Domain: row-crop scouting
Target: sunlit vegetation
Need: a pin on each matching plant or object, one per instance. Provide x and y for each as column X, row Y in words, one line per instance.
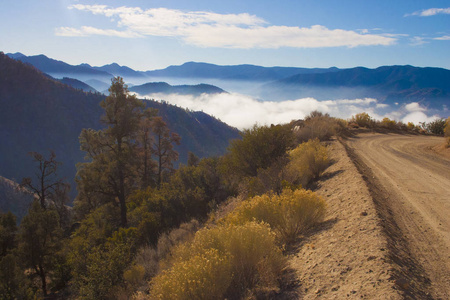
column 223, row 261
column 141, row 228
column 364, row 120
column 318, row 126
column 289, row 214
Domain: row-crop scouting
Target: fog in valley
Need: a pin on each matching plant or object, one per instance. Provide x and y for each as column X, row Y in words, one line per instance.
column 245, row 104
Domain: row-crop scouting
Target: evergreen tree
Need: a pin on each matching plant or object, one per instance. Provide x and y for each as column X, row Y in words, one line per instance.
column 111, row 171
column 39, row 242
column 163, row 148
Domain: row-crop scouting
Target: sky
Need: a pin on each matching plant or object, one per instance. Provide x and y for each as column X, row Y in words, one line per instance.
column 153, row 34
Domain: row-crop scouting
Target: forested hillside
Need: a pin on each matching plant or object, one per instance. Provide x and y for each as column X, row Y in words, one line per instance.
column 39, row 114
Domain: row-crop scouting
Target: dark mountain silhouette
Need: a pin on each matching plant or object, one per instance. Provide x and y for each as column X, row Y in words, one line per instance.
column 389, row 83
column 38, row 113
column 165, row 88
column 55, row 67
column 77, row 84
column 237, row 72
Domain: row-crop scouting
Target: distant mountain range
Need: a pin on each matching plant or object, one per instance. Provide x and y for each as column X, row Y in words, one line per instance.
column 38, row 113
column 430, row 86
column 238, row 72
column 389, row 84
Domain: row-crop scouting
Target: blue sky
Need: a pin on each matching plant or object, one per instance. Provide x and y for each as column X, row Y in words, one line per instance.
column 152, row 34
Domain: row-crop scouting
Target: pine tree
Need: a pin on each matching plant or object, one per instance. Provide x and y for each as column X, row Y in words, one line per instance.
column 111, row 152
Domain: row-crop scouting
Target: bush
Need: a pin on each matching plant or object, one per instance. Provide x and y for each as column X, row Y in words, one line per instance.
column 175, row 237
column 288, row 214
column 318, row 125
column 134, row 275
column 203, row 276
column 148, row 258
column 436, row 126
column 246, row 258
column 259, row 148
column 388, row 124
column 363, row 120
column 307, row 162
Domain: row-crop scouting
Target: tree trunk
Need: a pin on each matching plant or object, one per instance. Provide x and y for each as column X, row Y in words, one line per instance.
column 121, row 196
column 43, row 281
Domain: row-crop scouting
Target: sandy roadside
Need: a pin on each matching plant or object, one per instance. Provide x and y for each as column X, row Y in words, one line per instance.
column 347, row 256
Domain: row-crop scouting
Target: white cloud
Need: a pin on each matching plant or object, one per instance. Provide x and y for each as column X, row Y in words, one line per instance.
column 382, row 105
column 88, row 31
column 243, row 111
column 417, row 41
column 443, row 38
column 208, row 29
column 430, row 12
column 414, row 107
column 418, row 117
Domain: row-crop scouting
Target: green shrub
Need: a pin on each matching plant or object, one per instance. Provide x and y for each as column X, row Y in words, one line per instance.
column 259, row 148
column 288, row 214
column 436, row 126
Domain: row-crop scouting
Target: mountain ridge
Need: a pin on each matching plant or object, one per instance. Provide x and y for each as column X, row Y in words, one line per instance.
column 391, row 84
column 388, row 83
column 163, row 87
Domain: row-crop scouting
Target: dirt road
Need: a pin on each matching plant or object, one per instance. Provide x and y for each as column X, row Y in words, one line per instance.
column 411, row 187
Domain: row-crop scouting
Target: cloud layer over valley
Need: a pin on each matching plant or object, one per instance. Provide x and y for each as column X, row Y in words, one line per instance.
column 243, row 111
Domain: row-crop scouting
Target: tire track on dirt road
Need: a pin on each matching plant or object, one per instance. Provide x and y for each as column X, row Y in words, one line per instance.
column 411, row 188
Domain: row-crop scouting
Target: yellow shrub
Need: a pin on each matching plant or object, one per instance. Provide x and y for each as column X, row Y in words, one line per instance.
column 388, row 123
column 249, row 259
column 206, row 275
column 307, row 162
column 288, row 214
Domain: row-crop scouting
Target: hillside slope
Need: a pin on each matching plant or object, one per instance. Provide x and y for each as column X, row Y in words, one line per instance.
column 38, row 114
column 13, row 198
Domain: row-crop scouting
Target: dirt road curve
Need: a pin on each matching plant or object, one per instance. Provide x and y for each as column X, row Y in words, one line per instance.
column 412, row 186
